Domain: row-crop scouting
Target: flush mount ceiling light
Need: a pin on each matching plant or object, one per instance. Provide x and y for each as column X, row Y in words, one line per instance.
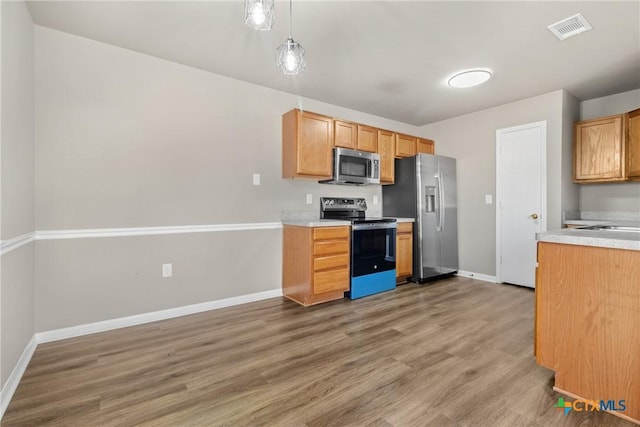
column 290, row 54
column 469, row 78
column 259, row 14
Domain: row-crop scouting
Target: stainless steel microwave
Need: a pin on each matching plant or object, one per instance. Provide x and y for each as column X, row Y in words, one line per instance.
column 352, row 167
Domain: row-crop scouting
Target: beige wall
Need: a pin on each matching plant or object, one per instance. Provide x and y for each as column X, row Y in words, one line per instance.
column 614, row 197
column 128, row 140
column 471, row 140
column 17, row 213
column 570, row 190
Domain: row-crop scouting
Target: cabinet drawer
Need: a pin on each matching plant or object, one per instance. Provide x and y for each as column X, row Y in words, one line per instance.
column 331, row 261
column 404, row 227
column 330, row 281
column 327, row 233
column 331, row 247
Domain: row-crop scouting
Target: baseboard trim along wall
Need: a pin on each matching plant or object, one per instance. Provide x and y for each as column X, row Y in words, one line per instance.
column 9, row 245
column 76, row 331
column 139, row 319
column 477, row 276
column 10, row 386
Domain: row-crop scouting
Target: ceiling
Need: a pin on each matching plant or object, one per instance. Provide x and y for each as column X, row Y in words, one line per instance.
column 387, row 58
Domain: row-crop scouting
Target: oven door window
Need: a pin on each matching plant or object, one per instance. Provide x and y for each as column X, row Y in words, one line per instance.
column 354, row 167
column 373, row 251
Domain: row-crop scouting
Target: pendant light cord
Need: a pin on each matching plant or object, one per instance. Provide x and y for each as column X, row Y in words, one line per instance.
column 290, row 18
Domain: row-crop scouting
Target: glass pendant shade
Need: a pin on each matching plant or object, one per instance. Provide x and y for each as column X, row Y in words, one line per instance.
column 259, row 14
column 290, row 57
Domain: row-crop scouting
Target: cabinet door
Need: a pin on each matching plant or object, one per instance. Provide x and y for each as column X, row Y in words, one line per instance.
column 387, row 163
column 404, row 250
column 633, row 146
column 307, row 144
column 405, row 145
column 598, row 150
column 367, row 139
column 345, row 134
column 425, row 146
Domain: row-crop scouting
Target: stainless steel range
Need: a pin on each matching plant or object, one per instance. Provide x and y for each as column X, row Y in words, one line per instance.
column 373, row 245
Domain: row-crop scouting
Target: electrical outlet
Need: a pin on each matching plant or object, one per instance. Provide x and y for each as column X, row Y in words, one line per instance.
column 309, row 199
column 256, row 179
column 167, row 270
column 375, row 200
column 488, row 199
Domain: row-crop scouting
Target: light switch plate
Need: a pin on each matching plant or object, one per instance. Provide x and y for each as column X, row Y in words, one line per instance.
column 375, row 200
column 309, row 198
column 167, row 270
column 488, row 199
column 256, row 179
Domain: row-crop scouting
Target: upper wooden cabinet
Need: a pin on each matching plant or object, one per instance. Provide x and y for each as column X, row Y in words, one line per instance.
column 425, row 146
column 345, row 134
column 387, row 159
column 599, row 153
column 405, row 145
column 307, row 142
column 633, row 146
column 367, row 138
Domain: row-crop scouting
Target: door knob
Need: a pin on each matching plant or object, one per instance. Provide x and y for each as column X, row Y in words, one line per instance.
column 533, row 216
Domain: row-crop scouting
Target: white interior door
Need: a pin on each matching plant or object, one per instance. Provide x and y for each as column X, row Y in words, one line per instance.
column 521, row 196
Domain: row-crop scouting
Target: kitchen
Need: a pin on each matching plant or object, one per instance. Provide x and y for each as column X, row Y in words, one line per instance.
column 152, row 171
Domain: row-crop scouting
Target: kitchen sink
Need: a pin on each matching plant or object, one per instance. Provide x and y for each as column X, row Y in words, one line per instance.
column 612, row 228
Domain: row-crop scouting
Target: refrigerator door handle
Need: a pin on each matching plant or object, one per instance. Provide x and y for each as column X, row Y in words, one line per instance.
column 440, row 207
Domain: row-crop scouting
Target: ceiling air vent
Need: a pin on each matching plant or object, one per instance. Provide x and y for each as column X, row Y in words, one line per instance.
column 572, row 26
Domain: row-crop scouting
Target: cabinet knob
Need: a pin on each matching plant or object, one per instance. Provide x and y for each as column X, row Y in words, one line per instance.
column 533, row 216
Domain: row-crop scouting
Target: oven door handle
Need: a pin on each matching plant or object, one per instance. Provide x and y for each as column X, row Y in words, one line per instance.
column 374, row 226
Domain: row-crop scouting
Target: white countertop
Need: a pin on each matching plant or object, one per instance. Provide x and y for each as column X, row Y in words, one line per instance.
column 603, row 238
column 328, row 222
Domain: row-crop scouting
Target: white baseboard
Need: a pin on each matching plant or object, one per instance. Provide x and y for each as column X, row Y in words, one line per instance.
column 477, row 276
column 10, row 386
column 12, row 382
column 139, row 319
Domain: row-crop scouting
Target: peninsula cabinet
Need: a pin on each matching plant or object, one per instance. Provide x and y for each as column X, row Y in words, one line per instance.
column 405, row 145
column 633, row 146
column 386, row 151
column 599, row 150
column 345, row 134
column 307, row 142
column 315, row 263
column 587, row 319
column 404, row 251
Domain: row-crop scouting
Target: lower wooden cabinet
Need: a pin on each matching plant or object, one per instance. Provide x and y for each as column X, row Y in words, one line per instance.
column 404, row 250
column 315, row 263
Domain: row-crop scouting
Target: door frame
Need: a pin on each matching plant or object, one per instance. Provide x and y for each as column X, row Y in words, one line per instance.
column 543, row 185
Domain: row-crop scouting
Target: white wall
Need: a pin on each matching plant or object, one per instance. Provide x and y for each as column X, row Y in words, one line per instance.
column 129, row 140
column 17, row 153
column 471, row 140
column 611, row 197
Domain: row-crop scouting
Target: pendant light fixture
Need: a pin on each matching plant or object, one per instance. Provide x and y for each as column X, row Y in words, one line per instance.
column 290, row 55
column 259, row 14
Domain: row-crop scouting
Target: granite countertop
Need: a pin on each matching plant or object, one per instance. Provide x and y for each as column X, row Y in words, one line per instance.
column 603, row 238
column 315, row 222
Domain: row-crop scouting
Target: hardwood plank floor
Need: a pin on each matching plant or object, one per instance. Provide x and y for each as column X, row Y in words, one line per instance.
column 457, row 352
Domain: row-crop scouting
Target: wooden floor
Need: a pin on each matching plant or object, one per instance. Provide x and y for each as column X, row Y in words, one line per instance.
column 454, row 353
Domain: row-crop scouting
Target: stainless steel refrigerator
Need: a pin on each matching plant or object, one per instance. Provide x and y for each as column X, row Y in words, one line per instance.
column 425, row 189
